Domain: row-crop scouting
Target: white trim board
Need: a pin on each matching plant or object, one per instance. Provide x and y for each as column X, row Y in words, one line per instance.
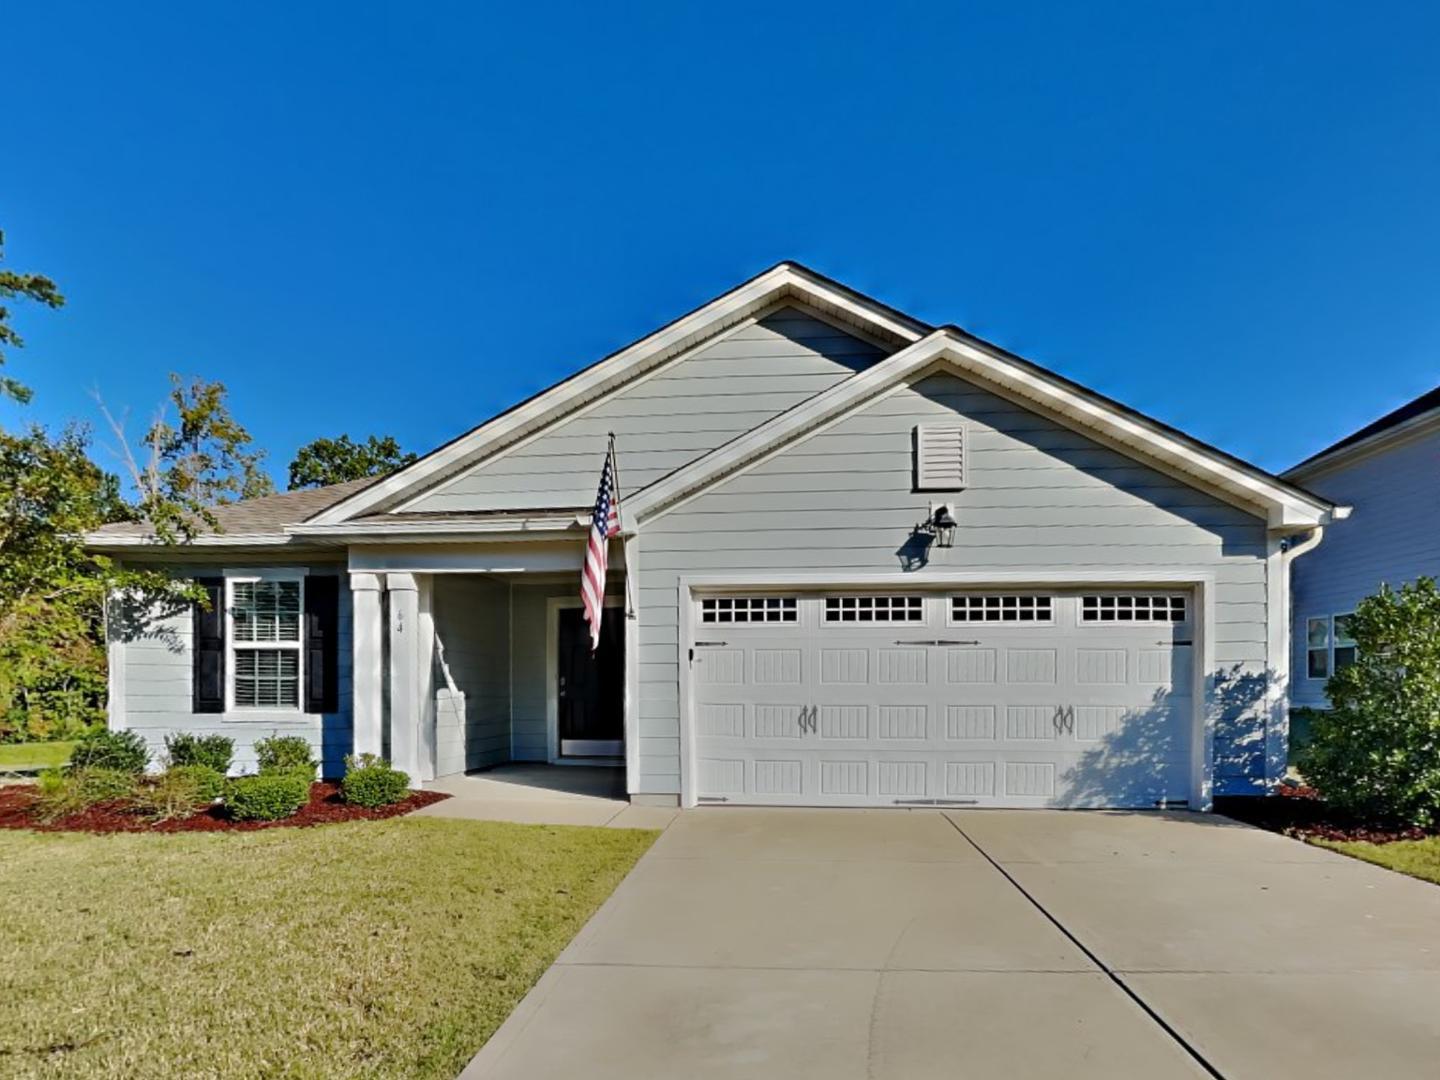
column 1285, row 508
column 786, row 280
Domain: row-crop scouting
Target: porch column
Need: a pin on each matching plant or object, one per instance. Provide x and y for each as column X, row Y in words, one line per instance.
column 367, row 706
column 404, row 673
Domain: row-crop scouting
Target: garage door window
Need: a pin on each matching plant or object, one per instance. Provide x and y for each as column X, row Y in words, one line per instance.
column 749, row 609
column 874, row 609
column 1144, row 608
column 1002, row 609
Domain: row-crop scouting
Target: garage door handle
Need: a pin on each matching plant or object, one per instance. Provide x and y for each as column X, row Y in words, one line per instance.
column 937, row 641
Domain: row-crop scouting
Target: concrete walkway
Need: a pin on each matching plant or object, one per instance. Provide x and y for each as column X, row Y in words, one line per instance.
column 545, row 795
column 915, row 944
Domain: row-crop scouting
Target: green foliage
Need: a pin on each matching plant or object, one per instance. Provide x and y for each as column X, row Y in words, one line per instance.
column 285, row 754
column 267, row 797
column 213, row 751
column 69, row 791
column 372, row 781
column 196, row 457
column 334, row 461
column 209, row 783
column 1376, row 752
column 52, row 591
column 124, row 751
column 36, row 287
column 174, row 795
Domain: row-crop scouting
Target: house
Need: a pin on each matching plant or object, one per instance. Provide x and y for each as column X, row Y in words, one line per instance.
column 864, row 561
column 1390, row 472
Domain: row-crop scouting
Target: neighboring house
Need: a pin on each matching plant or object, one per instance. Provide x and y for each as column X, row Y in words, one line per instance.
column 868, row 561
column 1389, row 471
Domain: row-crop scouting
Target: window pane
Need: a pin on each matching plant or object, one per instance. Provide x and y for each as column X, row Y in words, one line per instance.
column 1319, row 666
column 1317, row 633
column 1344, row 656
column 267, row 678
column 266, row 610
column 1342, row 631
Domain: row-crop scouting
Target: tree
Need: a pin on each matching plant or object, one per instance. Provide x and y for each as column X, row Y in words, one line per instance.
column 196, row 456
column 53, row 592
column 35, row 287
column 1376, row 752
column 334, row 461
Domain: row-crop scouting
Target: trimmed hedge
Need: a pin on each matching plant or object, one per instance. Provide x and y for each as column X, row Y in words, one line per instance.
column 267, row 797
column 214, row 752
column 123, row 751
column 372, row 781
column 285, row 754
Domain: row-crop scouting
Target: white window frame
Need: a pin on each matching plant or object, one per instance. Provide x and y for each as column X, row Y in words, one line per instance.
column 753, row 605
column 951, row 620
column 262, row 712
column 907, row 609
column 1168, row 597
column 1331, row 647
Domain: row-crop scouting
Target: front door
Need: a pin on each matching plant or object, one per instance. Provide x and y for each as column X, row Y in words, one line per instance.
column 591, row 687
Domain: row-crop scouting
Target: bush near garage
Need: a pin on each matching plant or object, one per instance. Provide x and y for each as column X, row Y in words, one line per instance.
column 1375, row 754
column 267, row 797
column 285, row 754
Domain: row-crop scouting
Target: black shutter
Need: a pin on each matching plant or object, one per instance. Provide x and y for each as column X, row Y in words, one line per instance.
column 208, row 689
column 322, row 616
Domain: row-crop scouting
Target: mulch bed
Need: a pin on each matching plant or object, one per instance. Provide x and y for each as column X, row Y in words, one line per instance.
column 1298, row 811
column 324, row 808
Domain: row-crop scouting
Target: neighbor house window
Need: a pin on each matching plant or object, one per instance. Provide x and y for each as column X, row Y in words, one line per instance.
column 265, row 653
column 1328, row 645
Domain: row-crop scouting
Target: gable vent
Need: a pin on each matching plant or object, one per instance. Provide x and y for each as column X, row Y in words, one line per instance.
column 939, row 457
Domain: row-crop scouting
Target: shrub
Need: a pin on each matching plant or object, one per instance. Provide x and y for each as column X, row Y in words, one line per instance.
column 1376, row 752
column 372, row 781
column 176, row 793
column 267, row 797
column 285, row 753
column 124, row 751
column 213, row 751
column 209, row 783
column 69, row 791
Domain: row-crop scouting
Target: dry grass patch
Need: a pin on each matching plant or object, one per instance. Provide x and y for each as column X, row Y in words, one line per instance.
column 374, row 949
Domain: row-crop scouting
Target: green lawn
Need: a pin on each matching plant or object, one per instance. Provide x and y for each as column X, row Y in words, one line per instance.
column 372, row 949
column 43, row 755
column 1418, row 858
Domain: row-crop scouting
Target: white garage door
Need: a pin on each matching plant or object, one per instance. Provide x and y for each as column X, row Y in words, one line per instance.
column 1024, row 698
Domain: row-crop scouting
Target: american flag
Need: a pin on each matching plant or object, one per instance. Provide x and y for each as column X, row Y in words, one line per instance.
column 604, row 523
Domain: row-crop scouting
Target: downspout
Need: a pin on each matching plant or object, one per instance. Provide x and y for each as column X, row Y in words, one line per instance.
column 1283, row 651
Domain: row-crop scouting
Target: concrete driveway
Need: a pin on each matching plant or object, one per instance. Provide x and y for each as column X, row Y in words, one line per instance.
column 914, row 944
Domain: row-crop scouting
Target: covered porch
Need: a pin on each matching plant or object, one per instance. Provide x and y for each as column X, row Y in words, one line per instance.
column 478, row 657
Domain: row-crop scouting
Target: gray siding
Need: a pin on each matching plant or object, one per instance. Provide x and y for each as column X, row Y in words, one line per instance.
column 667, row 420
column 1040, row 496
column 157, row 661
column 472, row 624
column 1392, row 537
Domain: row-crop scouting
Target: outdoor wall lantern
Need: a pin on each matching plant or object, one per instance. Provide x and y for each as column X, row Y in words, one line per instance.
column 941, row 525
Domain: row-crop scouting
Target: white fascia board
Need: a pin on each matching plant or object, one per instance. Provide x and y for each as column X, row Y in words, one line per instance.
column 105, row 542
column 1285, row 509
column 783, row 281
column 1381, row 441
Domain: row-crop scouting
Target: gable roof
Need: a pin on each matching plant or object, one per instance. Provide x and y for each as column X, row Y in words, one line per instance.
column 1285, row 506
column 249, row 521
column 1412, row 414
column 784, row 281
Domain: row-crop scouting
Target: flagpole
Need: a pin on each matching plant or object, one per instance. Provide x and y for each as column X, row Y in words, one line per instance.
column 620, row 519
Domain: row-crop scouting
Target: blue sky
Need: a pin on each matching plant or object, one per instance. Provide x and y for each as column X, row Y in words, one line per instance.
column 401, row 218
